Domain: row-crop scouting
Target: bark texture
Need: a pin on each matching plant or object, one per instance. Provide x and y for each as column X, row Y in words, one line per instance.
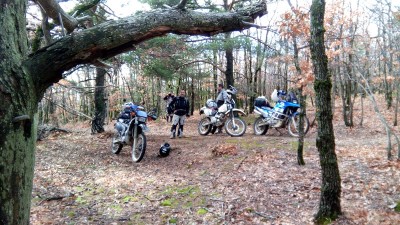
column 24, row 78
column 99, row 102
column 329, row 207
column 17, row 115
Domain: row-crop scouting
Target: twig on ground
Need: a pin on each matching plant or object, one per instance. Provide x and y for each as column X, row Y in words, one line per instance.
column 263, row 215
column 241, row 162
column 59, row 197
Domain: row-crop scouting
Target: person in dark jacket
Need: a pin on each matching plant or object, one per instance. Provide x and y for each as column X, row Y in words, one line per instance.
column 180, row 107
column 168, row 99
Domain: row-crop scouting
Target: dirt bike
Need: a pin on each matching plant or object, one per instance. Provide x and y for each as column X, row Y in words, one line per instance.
column 283, row 115
column 225, row 115
column 130, row 130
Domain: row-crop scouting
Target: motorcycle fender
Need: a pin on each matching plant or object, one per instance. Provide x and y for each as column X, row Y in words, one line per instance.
column 295, row 114
column 144, row 128
column 132, row 126
column 239, row 111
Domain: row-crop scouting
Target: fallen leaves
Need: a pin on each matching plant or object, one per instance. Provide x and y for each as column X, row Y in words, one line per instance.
column 224, row 149
column 248, row 180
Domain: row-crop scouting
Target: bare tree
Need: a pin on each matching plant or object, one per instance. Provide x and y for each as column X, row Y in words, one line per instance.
column 329, row 206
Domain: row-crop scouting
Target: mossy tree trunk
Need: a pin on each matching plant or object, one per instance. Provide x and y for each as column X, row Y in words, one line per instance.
column 25, row 77
column 329, row 207
column 18, row 118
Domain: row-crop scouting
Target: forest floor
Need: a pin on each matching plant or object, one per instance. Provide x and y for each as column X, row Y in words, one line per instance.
column 214, row 179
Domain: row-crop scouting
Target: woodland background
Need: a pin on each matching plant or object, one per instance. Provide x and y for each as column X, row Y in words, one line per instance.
column 362, row 46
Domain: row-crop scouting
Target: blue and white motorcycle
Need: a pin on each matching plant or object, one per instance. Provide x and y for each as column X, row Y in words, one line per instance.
column 130, row 130
column 283, row 115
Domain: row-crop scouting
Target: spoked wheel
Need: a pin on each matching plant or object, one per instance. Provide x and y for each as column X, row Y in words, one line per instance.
column 116, row 145
column 293, row 125
column 204, row 126
column 235, row 126
column 259, row 127
column 140, row 148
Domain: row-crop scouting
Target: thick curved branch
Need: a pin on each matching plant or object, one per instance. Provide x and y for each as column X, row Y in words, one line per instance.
column 114, row 37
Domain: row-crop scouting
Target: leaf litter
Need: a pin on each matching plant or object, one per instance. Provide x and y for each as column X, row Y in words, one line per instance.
column 214, row 179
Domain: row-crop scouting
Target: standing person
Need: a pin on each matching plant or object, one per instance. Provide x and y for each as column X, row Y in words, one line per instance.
column 180, row 107
column 222, row 95
column 168, row 99
column 221, row 98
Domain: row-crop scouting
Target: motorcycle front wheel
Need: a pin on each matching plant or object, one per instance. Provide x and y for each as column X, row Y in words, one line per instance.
column 235, row 126
column 116, row 145
column 140, row 148
column 202, row 128
column 293, row 125
column 260, row 129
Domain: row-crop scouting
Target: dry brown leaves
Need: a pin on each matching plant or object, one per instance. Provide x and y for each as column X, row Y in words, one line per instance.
column 254, row 179
column 224, row 149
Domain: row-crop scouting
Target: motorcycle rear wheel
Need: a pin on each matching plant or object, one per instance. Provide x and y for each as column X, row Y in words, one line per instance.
column 140, row 148
column 293, row 126
column 204, row 129
column 238, row 130
column 260, row 130
column 116, row 146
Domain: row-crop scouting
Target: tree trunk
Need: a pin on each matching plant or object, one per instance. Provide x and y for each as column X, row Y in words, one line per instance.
column 329, row 207
column 215, row 75
column 302, row 102
column 229, row 61
column 18, row 117
column 99, row 102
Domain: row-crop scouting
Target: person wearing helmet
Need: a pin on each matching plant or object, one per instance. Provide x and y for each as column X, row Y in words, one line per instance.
column 180, row 107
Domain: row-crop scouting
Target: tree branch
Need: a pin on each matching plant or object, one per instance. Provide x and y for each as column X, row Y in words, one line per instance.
column 181, row 4
column 53, row 9
column 117, row 36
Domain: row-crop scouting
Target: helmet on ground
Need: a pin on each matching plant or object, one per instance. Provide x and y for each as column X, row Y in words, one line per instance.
column 165, row 149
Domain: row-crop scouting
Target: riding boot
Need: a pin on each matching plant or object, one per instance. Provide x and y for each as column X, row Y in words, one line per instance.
column 173, row 131
column 180, row 131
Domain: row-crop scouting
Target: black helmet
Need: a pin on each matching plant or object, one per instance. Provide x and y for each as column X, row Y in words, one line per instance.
column 165, row 149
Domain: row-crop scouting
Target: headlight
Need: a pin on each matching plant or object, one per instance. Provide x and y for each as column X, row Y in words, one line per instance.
column 142, row 119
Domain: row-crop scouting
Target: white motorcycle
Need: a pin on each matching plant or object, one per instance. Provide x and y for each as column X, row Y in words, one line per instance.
column 226, row 115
